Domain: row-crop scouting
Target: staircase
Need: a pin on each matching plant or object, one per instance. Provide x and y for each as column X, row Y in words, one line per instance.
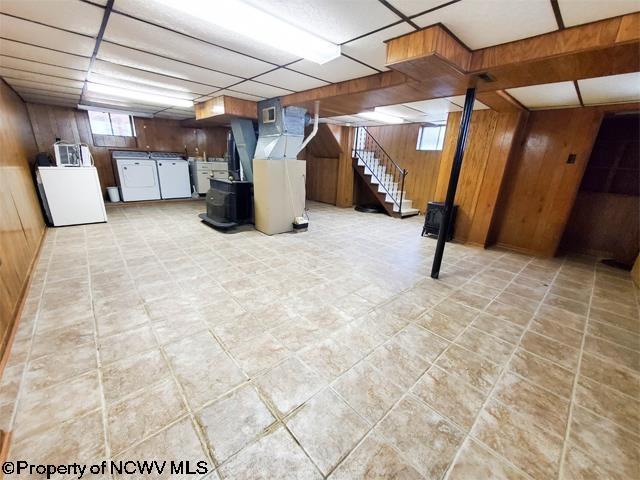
column 382, row 175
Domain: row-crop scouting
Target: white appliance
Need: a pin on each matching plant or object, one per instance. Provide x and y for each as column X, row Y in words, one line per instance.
column 72, row 155
column 137, row 176
column 173, row 175
column 202, row 172
column 72, row 196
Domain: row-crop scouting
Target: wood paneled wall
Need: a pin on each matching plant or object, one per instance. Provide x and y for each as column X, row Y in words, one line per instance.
column 51, row 122
column 399, row 141
column 541, row 186
column 490, row 146
column 322, row 156
column 21, row 222
column 322, row 178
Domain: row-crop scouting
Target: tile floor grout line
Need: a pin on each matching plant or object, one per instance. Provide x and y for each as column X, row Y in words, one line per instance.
column 177, row 384
column 103, row 403
column 409, row 391
column 463, row 263
column 27, row 362
column 576, row 378
column 274, row 411
column 503, row 370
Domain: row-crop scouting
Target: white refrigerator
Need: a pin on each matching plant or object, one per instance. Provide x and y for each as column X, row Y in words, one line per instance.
column 71, row 195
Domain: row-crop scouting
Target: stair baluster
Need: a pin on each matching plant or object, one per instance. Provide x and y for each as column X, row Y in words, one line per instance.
column 389, row 174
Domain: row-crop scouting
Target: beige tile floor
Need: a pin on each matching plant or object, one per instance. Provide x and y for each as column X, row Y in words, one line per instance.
column 329, row 353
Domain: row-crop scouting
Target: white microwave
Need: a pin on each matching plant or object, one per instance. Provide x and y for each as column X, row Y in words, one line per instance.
column 72, row 155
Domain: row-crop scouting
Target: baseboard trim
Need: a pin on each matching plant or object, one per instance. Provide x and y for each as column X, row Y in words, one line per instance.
column 8, row 342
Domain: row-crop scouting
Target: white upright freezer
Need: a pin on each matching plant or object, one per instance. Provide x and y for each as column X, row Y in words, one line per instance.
column 72, row 195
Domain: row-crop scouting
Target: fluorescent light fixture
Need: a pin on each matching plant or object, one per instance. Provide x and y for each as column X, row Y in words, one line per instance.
column 113, row 110
column 258, row 25
column 380, row 117
column 139, row 96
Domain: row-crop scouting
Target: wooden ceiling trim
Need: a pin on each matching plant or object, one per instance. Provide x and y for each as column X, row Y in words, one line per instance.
column 500, row 101
column 432, row 63
column 220, row 110
column 423, row 44
column 629, row 28
column 596, row 35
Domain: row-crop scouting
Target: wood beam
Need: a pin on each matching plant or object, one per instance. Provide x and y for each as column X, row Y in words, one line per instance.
column 433, row 63
column 220, row 110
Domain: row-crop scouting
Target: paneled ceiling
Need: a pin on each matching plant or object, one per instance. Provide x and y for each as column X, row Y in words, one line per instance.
column 51, row 51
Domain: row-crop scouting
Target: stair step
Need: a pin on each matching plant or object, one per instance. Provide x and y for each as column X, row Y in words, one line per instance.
column 410, row 212
column 406, row 205
column 389, row 198
column 389, row 187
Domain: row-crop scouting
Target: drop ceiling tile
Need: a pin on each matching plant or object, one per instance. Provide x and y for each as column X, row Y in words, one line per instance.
column 182, row 111
column 459, row 101
column 71, row 15
column 106, row 102
column 43, row 98
column 413, row 7
column 337, row 70
column 334, row 20
column 480, row 23
column 146, row 61
column 346, row 119
column 36, row 67
column 371, row 49
column 172, row 116
column 47, row 93
column 33, row 33
column 20, row 83
column 612, row 89
column 436, row 107
column 38, row 77
column 127, row 31
column 401, row 111
column 60, row 102
column 243, row 96
column 259, row 89
column 549, row 95
column 148, row 78
column 141, row 86
column 201, row 28
column 114, row 96
column 577, row 12
column 290, row 80
column 44, row 55
column 181, row 114
column 439, row 119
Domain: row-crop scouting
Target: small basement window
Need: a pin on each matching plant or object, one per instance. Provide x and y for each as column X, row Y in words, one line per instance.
column 117, row 124
column 431, row 137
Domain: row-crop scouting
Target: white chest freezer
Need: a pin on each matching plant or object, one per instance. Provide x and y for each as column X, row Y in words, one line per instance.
column 173, row 175
column 137, row 176
column 73, row 195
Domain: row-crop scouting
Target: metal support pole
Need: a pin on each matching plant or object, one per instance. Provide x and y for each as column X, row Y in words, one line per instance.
column 453, row 181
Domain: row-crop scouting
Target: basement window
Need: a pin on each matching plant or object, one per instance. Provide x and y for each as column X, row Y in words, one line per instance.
column 115, row 124
column 431, row 137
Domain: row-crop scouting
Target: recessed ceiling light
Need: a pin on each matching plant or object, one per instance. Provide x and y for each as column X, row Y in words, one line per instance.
column 380, row 117
column 137, row 95
column 258, row 25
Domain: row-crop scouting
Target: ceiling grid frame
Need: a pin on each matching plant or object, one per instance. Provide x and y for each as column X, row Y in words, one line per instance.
column 556, row 5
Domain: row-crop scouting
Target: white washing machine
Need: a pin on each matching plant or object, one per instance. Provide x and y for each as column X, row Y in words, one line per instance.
column 137, row 176
column 173, row 175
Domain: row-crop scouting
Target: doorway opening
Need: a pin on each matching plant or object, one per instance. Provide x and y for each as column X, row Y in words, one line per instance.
column 605, row 220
